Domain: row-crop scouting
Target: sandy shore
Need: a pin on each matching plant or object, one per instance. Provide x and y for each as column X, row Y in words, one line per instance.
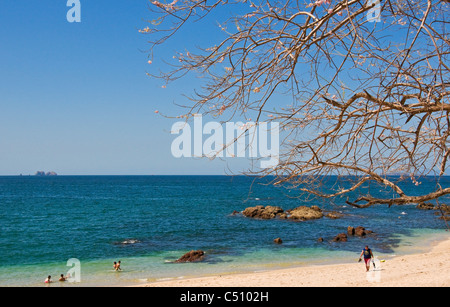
column 429, row 269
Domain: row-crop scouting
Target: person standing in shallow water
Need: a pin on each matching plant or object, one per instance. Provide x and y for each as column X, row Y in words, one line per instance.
column 116, row 266
column 368, row 255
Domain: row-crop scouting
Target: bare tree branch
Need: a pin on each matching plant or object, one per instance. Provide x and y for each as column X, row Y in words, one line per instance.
column 366, row 99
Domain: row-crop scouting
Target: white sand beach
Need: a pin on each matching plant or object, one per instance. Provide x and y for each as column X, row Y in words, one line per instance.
column 428, row 269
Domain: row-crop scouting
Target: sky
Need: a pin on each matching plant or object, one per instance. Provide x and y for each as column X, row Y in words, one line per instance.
column 75, row 97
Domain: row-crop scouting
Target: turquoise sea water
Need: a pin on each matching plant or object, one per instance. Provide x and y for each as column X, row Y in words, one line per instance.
column 149, row 221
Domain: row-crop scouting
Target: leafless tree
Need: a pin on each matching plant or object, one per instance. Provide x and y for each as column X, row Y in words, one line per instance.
column 367, row 84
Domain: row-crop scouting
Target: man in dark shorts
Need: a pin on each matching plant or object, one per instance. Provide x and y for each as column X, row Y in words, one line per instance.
column 367, row 253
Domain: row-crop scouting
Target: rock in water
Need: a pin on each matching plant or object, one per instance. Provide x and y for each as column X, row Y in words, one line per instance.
column 425, row 206
column 192, row 256
column 271, row 212
column 301, row 213
column 334, row 215
column 360, row 231
column 351, row 230
column 261, row 212
column 278, row 241
column 342, row 237
column 304, row 213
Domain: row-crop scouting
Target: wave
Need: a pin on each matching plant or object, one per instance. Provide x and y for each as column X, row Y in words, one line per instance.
column 127, row 242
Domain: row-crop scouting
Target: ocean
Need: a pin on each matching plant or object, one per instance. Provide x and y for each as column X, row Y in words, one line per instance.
column 147, row 222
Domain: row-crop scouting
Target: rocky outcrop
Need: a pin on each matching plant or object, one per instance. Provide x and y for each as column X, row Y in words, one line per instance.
column 358, row 231
column 351, row 231
column 192, row 256
column 304, row 213
column 334, row 215
column 361, row 231
column 442, row 210
column 342, row 237
column 261, row 212
column 445, row 217
column 445, row 209
column 425, row 206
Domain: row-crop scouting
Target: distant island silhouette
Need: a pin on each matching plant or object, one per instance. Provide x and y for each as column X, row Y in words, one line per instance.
column 42, row 173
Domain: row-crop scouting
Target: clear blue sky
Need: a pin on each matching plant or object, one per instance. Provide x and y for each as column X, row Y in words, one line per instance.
column 75, row 98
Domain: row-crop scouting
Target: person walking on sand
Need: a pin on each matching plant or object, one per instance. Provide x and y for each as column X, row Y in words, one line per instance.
column 368, row 255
